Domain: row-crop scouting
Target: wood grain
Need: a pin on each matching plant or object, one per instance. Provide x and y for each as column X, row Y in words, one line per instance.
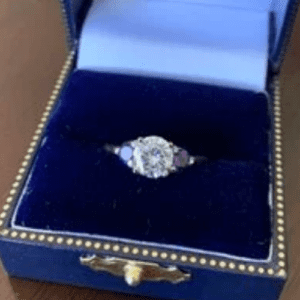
column 32, row 52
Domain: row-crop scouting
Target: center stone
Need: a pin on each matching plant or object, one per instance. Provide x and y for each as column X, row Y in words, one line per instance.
column 152, row 157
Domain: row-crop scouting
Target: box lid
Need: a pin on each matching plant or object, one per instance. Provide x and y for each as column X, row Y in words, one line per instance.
column 281, row 12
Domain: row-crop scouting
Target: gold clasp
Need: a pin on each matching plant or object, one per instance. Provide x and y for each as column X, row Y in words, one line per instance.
column 134, row 272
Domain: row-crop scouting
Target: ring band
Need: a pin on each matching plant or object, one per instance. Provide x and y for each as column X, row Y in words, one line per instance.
column 153, row 156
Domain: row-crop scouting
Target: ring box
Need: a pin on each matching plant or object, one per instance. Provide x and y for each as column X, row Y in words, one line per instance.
column 202, row 74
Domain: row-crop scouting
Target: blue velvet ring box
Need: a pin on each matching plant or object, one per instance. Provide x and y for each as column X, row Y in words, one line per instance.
column 201, row 74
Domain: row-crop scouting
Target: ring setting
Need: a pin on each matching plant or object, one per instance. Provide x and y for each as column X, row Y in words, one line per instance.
column 153, row 156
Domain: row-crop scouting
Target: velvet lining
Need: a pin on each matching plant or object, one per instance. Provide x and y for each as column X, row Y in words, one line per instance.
column 74, row 185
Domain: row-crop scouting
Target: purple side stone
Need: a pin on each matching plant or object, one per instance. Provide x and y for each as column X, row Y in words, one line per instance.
column 181, row 159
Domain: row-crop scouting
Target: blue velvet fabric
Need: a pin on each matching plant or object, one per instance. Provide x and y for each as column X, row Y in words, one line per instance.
column 59, row 265
column 74, row 185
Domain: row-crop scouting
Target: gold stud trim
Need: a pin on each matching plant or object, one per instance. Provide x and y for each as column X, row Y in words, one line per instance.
column 97, row 245
column 106, row 246
column 145, row 252
column 173, row 256
column 88, row 244
column 154, row 253
column 213, row 262
column 50, row 239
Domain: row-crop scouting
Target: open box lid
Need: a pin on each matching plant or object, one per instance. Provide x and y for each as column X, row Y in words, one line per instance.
column 277, row 22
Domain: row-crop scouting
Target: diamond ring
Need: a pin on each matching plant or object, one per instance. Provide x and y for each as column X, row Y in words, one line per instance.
column 153, row 156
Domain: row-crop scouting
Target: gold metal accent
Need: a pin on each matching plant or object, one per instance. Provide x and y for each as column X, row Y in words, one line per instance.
column 134, row 272
column 88, row 244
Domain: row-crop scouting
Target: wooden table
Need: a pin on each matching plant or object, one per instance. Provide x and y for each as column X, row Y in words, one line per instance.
column 32, row 52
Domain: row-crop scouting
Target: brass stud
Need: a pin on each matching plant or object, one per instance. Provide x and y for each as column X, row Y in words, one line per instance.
column 9, row 199
column 41, row 125
column 2, row 215
column 251, row 269
column 41, row 237
column 30, row 150
column 231, row 265
column 51, row 102
column 48, row 107
column 50, row 239
column 78, row 243
column 59, row 240
column 46, row 113
column 281, row 273
column 281, row 263
column 280, row 198
column 55, row 92
column 32, row 236
column 145, row 252
column 116, row 248
column 1, row 222
column 43, row 119
column 281, row 255
column 14, row 234
column 212, row 262
column 280, row 191
column 173, row 256
column 278, row 149
column 125, row 249
column 271, row 271
column 279, row 183
column 280, row 228
column 35, row 137
column 279, row 176
column 106, row 246
column 88, row 244
column 69, row 241
column 261, row 270
column 16, row 184
column 280, row 238
column 6, row 206
column 97, row 245
column 5, row 232
column 23, row 235
column 281, row 246
column 202, row 261
column 164, row 255
column 21, row 170
column 280, row 221
column 222, row 264
column 24, row 163
column 280, row 213
column 154, row 253
column 193, row 259
column 135, row 251
column 242, row 267
column 19, row 177
column 13, row 191
column 280, row 205
column 38, row 131
column 278, row 162
column 183, row 258
column 277, row 124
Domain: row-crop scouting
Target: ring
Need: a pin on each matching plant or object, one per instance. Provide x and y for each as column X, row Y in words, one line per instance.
column 153, row 156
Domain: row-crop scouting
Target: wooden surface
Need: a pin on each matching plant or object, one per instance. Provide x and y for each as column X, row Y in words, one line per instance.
column 32, row 48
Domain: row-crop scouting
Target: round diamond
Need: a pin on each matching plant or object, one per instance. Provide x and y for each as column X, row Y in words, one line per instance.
column 152, row 157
